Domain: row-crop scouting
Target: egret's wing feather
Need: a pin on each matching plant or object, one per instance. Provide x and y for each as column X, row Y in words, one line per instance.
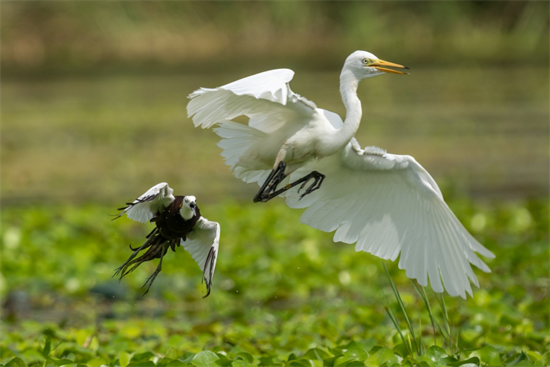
column 389, row 205
column 203, row 243
column 147, row 205
column 265, row 98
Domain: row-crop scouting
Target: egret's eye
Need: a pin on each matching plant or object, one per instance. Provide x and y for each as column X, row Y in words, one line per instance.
column 367, row 61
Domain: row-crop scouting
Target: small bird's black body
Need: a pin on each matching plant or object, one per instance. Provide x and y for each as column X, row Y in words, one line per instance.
column 170, row 229
column 171, row 224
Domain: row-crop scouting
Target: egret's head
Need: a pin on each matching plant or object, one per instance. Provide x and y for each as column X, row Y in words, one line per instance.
column 363, row 65
column 188, row 207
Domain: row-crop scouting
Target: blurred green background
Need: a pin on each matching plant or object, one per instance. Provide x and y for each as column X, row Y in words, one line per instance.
column 93, row 99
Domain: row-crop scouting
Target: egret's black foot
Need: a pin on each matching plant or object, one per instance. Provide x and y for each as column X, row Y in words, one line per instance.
column 318, row 179
column 267, row 191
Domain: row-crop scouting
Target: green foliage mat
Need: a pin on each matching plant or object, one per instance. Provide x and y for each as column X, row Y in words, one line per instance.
column 283, row 294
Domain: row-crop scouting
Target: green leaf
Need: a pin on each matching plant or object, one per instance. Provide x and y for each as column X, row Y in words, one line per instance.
column 59, row 362
column 342, row 360
column 143, row 357
column 124, row 358
column 436, row 354
column 245, row 356
column 187, row 357
column 16, row 362
column 316, row 353
column 518, row 359
column 176, row 363
column 141, row 364
column 205, row 358
column 302, row 362
column 171, row 353
column 385, row 355
column 330, row 361
column 488, row 355
column 466, row 363
column 47, row 347
column 224, row 361
column 96, row 362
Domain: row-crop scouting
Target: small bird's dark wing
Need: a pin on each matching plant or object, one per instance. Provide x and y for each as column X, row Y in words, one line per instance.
column 147, row 205
column 203, row 243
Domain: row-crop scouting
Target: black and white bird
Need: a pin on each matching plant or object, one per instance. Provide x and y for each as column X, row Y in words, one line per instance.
column 178, row 221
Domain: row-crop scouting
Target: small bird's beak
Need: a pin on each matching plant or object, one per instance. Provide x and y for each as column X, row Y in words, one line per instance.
column 193, row 208
column 379, row 64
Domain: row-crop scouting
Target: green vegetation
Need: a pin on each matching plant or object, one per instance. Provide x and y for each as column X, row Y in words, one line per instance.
column 93, row 113
column 284, row 294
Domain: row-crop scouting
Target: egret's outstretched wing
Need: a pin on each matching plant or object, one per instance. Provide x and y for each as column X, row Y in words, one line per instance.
column 202, row 243
column 147, row 205
column 265, row 98
column 389, row 205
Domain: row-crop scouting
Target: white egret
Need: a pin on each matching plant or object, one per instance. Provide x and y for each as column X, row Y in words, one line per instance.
column 387, row 204
column 178, row 221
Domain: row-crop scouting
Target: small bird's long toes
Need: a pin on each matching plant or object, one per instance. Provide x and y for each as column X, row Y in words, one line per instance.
column 149, row 282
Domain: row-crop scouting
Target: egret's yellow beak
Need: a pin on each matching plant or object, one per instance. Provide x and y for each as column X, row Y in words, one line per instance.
column 379, row 64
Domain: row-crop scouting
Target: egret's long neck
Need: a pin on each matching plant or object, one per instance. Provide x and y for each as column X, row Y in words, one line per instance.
column 348, row 88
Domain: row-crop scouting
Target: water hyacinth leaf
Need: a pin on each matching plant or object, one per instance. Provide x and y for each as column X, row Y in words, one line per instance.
column 47, row 347
column 223, row 361
column 59, row 362
column 436, row 354
column 330, row 361
column 124, row 358
column 343, row 360
column 302, row 362
column 474, row 361
column 488, row 355
column 141, row 364
column 533, row 356
column 16, row 362
column 245, row 357
column 187, row 357
column 171, row 353
column 143, row 357
column 266, row 361
column 240, row 363
column 96, row 362
column 356, row 350
column 385, row 355
column 176, row 363
column 205, row 358
column 316, row 353
column 519, row 359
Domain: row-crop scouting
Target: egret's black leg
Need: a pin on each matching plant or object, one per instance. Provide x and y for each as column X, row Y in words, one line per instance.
column 151, row 279
column 316, row 176
column 275, row 177
column 318, row 180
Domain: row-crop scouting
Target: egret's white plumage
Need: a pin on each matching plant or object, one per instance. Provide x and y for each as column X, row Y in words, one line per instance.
column 387, row 204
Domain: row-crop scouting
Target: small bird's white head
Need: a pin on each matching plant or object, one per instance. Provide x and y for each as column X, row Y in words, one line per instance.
column 189, row 207
column 363, row 64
